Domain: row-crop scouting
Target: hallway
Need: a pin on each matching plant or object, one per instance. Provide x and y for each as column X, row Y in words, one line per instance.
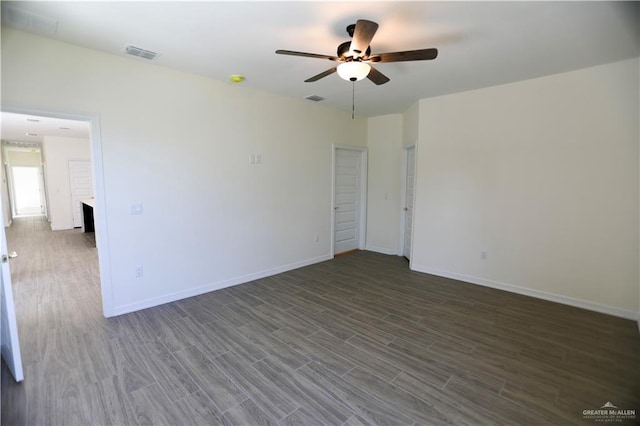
column 57, row 296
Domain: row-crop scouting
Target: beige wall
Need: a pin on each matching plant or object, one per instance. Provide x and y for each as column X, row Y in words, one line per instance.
column 543, row 175
column 384, row 141
column 180, row 144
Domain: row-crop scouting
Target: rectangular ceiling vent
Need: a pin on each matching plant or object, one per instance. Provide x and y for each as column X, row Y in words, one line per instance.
column 140, row 53
column 314, row 98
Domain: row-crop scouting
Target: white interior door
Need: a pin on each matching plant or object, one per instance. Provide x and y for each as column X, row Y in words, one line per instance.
column 9, row 342
column 81, row 187
column 408, row 202
column 347, row 202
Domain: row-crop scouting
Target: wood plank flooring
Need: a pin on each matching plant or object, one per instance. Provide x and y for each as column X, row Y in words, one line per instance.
column 360, row 340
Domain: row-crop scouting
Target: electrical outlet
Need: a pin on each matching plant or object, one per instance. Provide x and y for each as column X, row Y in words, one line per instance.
column 484, row 255
column 139, row 271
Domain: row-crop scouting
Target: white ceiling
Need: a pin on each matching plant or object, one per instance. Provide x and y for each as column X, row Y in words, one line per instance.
column 480, row 43
column 32, row 128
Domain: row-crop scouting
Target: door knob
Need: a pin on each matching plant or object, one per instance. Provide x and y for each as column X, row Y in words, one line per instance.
column 406, row 209
column 336, row 208
column 11, row 255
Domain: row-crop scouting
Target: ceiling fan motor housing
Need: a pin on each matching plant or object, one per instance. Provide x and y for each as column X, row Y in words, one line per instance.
column 350, row 29
column 343, row 49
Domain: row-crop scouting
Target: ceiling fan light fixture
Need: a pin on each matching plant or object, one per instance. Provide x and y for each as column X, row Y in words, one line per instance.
column 353, row 70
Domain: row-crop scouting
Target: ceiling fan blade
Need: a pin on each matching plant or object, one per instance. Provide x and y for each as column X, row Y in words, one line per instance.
column 321, row 75
column 362, row 35
column 377, row 77
column 307, row 55
column 407, row 55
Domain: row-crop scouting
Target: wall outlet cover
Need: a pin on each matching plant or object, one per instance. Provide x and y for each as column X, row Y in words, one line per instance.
column 136, row 208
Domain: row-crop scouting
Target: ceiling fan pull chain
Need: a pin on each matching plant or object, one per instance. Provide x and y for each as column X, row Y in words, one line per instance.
column 353, row 100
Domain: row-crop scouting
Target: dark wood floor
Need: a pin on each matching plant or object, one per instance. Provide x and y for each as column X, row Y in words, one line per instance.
column 355, row 341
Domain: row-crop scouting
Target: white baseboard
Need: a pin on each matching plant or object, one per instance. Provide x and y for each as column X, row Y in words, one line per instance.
column 56, row 228
column 172, row 297
column 579, row 303
column 382, row 250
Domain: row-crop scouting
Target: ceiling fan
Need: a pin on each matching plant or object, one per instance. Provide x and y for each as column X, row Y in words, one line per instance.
column 355, row 56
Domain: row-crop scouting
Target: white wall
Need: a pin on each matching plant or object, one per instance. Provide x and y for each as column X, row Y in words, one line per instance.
column 180, row 144
column 543, row 175
column 56, row 152
column 384, row 142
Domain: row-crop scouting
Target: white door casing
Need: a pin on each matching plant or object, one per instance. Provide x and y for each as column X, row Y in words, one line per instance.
column 408, row 200
column 349, row 198
column 43, row 191
column 7, row 211
column 80, row 183
column 9, row 341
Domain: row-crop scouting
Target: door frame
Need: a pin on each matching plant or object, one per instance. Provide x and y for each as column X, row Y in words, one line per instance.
column 10, row 187
column 100, row 215
column 43, row 186
column 403, row 196
column 363, row 194
column 9, row 207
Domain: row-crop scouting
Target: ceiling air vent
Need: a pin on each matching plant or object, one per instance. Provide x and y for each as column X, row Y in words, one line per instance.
column 314, row 98
column 140, row 53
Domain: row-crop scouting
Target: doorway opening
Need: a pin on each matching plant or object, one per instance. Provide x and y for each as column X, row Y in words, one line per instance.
column 69, row 172
column 24, row 176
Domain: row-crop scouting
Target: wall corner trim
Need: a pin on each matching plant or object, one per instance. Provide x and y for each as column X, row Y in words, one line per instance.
column 552, row 297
